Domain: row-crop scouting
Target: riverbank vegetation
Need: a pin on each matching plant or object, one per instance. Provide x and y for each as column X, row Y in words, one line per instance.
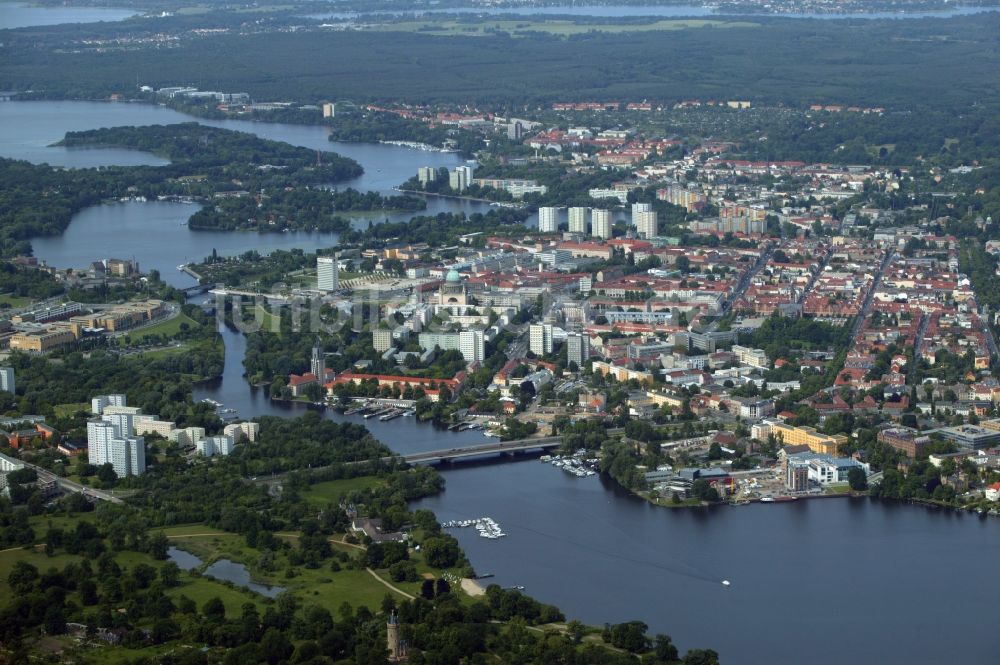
column 244, row 182
column 337, row 588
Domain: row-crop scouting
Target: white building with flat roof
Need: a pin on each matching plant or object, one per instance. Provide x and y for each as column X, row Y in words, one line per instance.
column 579, row 219
column 327, row 273
column 7, row 379
column 548, row 219
column 600, row 222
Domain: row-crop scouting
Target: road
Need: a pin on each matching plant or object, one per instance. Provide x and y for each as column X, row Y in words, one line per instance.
column 867, row 304
column 71, row 486
column 744, row 284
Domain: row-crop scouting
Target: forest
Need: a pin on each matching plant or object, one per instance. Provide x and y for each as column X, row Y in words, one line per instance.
column 947, row 63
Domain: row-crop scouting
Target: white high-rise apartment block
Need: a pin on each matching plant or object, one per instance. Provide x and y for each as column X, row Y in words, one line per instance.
column 472, row 345
column 240, row 431
column 645, row 223
column 600, row 221
column 107, row 443
column 548, row 219
column 382, row 339
column 577, row 349
column 215, row 445
column 98, row 404
column 7, row 379
column 327, row 273
column 460, row 178
column 641, row 207
column 426, row 174
column 540, row 338
column 578, row 219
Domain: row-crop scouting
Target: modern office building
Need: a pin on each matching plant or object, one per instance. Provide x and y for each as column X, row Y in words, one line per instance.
column 577, row 349
column 7, row 379
column 540, row 338
column 646, row 223
column 548, row 219
column 327, row 273
column 579, row 219
column 600, row 222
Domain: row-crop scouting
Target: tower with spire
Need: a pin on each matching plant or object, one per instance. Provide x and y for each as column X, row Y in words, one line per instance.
column 397, row 647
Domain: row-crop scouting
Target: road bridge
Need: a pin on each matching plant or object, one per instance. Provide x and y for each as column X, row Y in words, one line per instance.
column 492, row 448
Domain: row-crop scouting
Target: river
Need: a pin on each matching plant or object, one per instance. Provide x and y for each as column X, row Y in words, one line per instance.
column 814, row 581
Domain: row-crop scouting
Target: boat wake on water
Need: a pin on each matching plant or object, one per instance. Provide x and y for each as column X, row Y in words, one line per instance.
column 675, row 568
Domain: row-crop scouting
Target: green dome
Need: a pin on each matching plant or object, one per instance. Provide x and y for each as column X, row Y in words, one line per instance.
column 453, row 276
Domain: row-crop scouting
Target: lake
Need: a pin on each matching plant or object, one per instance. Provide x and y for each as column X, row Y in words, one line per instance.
column 874, row 577
column 223, row 569
column 812, row 582
column 24, row 15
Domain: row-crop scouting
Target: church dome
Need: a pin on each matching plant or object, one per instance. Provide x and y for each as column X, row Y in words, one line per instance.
column 453, row 277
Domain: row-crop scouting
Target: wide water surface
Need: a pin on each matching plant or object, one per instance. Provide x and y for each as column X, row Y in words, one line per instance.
column 812, row 582
column 24, row 15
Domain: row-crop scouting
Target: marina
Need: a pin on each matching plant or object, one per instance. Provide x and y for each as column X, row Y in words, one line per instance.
column 485, row 526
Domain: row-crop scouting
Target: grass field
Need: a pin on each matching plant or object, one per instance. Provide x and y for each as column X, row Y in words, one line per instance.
column 67, row 410
column 167, row 328
column 331, row 491
column 552, row 27
column 13, row 301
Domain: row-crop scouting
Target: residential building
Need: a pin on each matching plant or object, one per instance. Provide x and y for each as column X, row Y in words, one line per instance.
column 797, row 477
column 215, row 445
column 645, row 221
column 579, row 220
column 145, row 424
column 7, row 379
column 239, row 431
column 188, row 436
column 752, row 357
column 329, row 110
column 327, row 273
column 577, row 349
column 540, row 338
column 426, row 174
column 795, row 436
column 109, row 442
column 548, row 219
column 600, row 221
column 460, row 178
column 472, row 345
column 101, row 402
column 382, row 339
column 906, row 440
